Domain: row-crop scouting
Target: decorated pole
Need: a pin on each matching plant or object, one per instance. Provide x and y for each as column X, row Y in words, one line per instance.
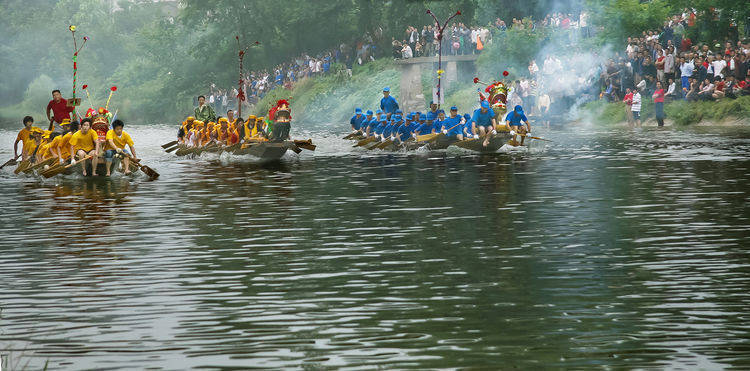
column 241, row 81
column 440, row 49
column 76, row 49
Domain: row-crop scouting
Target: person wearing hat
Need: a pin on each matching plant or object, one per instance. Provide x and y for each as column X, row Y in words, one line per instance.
column 83, row 143
column 437, row 126
column 187, row 125
column 468, row 128
column 484, row 121
column 433, row 108
column 388, row 103
column 117, row 139
column 61, row 144
column 425, row 127
column 514, row 121
column 357, row 119
column 194, row 136
column 24, row 136
column 382, row 123
column 452, row 125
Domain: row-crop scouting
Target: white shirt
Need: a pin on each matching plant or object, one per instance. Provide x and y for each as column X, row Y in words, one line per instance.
column 718, row 66
column 636, row 107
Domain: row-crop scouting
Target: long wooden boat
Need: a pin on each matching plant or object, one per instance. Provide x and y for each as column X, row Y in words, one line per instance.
column 263, row 150
column 51, row 167
column 441, row 142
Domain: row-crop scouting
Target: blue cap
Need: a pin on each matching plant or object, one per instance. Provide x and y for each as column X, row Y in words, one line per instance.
column 358, row 110
column 454, row 108
column 440, row 111
column 397, row 117
column 432, row 102
column 379, row 111
column 422, row 117
column 430, row 116
column 398, row 111
column 369, row 112
column 518, row 109
column 383, row 118
column 485, row 104
column 386, row 88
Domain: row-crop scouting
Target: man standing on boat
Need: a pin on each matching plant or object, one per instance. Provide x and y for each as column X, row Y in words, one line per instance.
column 204, row 112
column 388, row 103
column 484, row 121
column 514, row 120
column 60, row 111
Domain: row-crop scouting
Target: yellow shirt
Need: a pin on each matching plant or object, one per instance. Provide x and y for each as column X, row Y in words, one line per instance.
column 64, row 145
column 28, row 142
column 120, row 141
column 86, row 142
column 54, row 144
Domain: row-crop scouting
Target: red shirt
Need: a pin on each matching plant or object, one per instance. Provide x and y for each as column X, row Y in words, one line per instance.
column 658, row 96
column 628, row 99
column 59, row 109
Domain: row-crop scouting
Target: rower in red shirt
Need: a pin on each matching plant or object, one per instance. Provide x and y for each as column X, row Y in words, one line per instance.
column 60, row 109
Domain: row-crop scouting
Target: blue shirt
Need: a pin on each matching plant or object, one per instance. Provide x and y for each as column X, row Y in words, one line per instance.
column 452, row 125
column 515, row 120
column 379, row 129
column 424, row 129
column 356, row 122
column 387, row 130
column 388, row 104
column 404, row 132
column 438, row 125
column 483, row 119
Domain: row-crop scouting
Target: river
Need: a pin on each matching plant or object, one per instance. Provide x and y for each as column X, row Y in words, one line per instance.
column 604, row 248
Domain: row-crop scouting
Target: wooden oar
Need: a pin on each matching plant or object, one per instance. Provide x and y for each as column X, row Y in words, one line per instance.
column 22, row 166
column 167, row 145
column 152, row 174
column 39, row 164
column 352, row 135
column 305, row 144
column 530, row 137
column 60, row 169
column 9, row 162
column 384, row 144
column 365, row 141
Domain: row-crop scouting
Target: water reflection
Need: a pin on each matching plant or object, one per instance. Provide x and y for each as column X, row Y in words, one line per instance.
column 616, row 249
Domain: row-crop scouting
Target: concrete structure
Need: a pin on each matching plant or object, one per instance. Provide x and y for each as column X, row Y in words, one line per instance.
column 412, row 96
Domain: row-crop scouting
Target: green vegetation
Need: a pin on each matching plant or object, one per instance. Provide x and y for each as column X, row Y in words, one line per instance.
column 682, row 113
column 161, row 55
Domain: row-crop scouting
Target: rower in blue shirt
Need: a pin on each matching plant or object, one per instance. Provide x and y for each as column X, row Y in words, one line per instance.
column 437, row 126
column 468, row 128
column 388, row 103
column 453, row 125
column 381, row 126
column 514, row 120
column 426, row 127
column 357, row 119
column 484, row 121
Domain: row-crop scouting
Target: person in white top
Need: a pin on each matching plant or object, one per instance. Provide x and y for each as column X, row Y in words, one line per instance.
column 636, row 108
column 719, row 65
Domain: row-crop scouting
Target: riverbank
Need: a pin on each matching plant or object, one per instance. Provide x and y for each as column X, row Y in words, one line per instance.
column 725, row 112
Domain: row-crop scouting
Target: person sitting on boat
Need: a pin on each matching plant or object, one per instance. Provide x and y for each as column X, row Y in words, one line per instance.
column 388, row 103
column 484, row 121
column 45, row 151
column 514, row 121
column 117, row 139
column 204, row 112
column 261, row 129
column 425, row 127
column 24, row 136
column 382, row 123
column 195, row 134
column 247, row 129
column 437, row 126
column 453, row 125
column 356, row 120
column 397, row 124
column 388, row 130
column 187, row 125
column 84, row 143
column 61, row 144
column 224, row 135
column 373, row 124
column 404, row 131
column 469, row 129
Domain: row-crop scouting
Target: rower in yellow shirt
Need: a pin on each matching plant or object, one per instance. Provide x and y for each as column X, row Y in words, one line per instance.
column 24, row 136
column 83, row 143
column 116, row 141
column 63, row 144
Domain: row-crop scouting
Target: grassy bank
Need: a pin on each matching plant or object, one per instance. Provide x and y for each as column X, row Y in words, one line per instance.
column 331, row 99
column 681, row 113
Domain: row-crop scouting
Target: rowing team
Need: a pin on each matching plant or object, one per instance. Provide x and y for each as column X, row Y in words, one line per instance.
column 398, row 128
column 228, row 131
column 41, row 145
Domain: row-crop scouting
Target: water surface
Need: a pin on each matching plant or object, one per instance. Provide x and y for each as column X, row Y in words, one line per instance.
column 604, row 248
